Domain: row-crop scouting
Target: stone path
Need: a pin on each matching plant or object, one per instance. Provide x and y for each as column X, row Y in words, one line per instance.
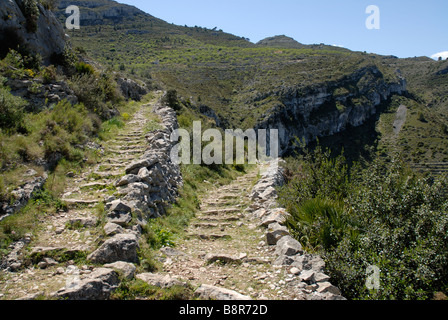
column 75, row 233
column 223, row 247
column 225, row 253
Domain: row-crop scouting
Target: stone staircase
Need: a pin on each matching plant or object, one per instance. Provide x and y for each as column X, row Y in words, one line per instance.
column 75, row 233
column 226, row 249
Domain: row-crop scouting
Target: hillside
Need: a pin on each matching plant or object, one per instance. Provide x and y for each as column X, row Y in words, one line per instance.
column 249, row 85
column 243, row 83
column 93, row 206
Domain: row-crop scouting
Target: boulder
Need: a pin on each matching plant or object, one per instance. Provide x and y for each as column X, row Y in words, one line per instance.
column 159, row 280
column 83, row 222
column 309, row 262
column 275, row 216
column 208, row 292
column 112, row 229
column 275, row 233
column 119, row 218
column 98, row 285
column 327, row 287
column 225, row 258
column 131, row 89
column 135, row 166
column 121, row 247
column 125, row 268
column 288, row 246
column 119, row 206
column 127, row 179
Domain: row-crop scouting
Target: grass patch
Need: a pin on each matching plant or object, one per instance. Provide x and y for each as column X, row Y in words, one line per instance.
column 140, row 290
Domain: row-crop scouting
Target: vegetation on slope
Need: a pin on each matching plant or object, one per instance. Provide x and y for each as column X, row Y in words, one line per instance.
column 382, row 215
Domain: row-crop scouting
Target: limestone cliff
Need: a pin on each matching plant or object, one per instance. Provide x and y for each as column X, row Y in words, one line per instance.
column 100, row 12
column 329, row 108
column 27, row 24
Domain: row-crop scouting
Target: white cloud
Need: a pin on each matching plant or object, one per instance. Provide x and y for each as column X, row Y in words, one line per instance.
column 338, row 45
column 443, row 54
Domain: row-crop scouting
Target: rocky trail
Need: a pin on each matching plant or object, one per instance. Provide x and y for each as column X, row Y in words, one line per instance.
column 225, row 248
column 73, row 234
column 236, row 247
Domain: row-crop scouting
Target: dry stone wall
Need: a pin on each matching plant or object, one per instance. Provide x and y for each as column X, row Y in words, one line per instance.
column 309, row 268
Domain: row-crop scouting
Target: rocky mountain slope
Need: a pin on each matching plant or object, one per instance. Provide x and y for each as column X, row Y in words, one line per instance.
column 215, row 71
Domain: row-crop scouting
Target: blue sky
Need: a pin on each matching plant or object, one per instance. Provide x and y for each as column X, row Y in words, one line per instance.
column 407, row 28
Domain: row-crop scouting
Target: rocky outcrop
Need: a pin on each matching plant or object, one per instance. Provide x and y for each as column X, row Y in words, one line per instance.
column 100, row 12
column 327, row 109
column 131, row 89
column 40, row 95
column 23, row 194
column 121, row 247
column 310, row 269
column 98, row 285
column 40, row 32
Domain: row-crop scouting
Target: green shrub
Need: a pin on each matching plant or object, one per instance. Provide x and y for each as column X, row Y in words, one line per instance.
column 31, row 13
column 49, row 4
column 63, row 128
column 321, row 224
column 98, row 93
column 11, row 110
column 49, row 74
column 383, row 215
column 170, row 99
column 84, row 68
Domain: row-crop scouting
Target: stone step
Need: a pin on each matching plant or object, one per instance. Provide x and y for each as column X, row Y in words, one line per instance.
column 136, row 140
column 126, row 151
column 211, row 225
column 127, row 147
column 221, row 211
column 229, row 196
column 219, row 219
column 129, row 135
column 108, row 174
column 217, row 203
column 93, row 185
column 73, row 203
column 206, row 236
column 123, row 162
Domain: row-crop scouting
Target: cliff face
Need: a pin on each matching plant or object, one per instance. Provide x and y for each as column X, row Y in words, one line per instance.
column 327, row 109
column 100, row 12
column 31, row 26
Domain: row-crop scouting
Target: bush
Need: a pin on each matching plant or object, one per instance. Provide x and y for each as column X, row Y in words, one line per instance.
column 66, row 126
column 31, row 13
column 11, row 110
column 170, row 99
column 49, row 4
column 84, row 68
column 383, row 215
column 98, row 93
column 49, row 74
